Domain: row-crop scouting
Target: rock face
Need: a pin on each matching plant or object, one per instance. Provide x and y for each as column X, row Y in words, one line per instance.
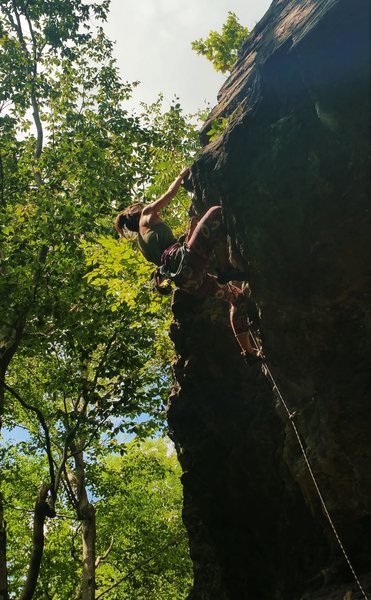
column 292, row 175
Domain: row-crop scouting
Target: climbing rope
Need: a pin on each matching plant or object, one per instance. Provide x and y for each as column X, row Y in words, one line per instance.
column 291, row 416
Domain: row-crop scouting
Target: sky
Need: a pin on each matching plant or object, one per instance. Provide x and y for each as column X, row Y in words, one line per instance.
column 153, row 45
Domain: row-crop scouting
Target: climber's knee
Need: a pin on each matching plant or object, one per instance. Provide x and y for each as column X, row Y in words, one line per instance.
column 214, row 211
column 214, row 217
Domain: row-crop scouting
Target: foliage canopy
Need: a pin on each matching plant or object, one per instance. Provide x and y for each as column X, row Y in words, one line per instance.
column 221, row 49
column 84, row 356
column 141, row 543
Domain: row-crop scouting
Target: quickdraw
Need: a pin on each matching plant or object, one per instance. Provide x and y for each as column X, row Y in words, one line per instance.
column 161, row 282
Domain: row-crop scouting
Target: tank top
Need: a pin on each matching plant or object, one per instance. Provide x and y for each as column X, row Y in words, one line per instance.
column 155, row 241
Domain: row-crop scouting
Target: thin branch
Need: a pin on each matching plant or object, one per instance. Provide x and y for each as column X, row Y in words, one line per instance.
column 41, row 259
column 66, row 482
column 72, row 433
column 45, row 429
column 66, row 456
column 87, row 444
column 28, row 511
column 34, row 101
column 34, row 43
column 92, row 386
column 28, row 429
column 20, row 323
column 73, row 549
column 174, row 542
column 65, row 407
column 105, row 352
column 61, row 468
column 11, row 20
column 104, row 556
column 40, row 133
column 69, row 437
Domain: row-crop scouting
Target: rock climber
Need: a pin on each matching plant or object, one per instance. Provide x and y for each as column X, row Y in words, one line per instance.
column 187, row 264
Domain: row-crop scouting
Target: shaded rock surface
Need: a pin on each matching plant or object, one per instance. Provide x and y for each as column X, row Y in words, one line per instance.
column 291, row 172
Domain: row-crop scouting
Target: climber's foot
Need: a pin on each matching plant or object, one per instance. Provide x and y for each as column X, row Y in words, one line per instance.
column 252, row 358
column 232, row 274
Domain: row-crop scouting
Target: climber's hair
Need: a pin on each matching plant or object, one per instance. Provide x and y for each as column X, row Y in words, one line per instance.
column 128, row 219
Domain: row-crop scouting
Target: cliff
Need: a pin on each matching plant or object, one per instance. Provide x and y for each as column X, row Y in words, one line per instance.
column 291, row 171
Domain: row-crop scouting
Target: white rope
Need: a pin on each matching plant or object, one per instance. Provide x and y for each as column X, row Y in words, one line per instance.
column 291, row 417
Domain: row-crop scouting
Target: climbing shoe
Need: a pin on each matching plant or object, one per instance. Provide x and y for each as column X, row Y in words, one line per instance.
column 232, row 274
column 251, row 359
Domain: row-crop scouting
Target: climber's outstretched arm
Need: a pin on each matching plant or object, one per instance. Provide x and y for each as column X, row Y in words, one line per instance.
column 152, row 210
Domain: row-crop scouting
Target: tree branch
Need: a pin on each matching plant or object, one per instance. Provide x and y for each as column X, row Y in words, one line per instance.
column 45, row 429
column 73, row 549
column 61, row 468
column 105, row 353
column 68, row 487
column 90, row 439
column 32, row 69
column 28, row 511
column 104, row 556
column 20, row 323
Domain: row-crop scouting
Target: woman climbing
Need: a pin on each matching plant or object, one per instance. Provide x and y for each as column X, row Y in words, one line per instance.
column 188, row 263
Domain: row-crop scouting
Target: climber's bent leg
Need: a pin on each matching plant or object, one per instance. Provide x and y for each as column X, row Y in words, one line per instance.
column 209, row 231
column 210, row 236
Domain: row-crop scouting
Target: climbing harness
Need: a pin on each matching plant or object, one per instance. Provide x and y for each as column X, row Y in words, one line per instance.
column 162, row 277
column 291, row 416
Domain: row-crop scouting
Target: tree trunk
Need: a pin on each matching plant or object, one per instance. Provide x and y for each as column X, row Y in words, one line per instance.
column 3, row 570
column 42, row 510
column 88, row 554
column 86, row 513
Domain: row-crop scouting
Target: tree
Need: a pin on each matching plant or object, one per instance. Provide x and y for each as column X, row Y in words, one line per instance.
column 221, row 49
column 77, row 365
column 149, row 556
column 141, row 542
